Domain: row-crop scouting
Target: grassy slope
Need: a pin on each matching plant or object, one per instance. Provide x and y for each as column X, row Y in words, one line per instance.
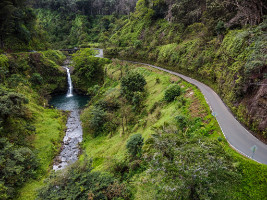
column 50, row 126
column 105, row 150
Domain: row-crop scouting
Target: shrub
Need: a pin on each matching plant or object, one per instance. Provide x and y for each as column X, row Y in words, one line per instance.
column 55, row 55
column 11, row 104
column 134, row 145
column 120, row 168
column 98, row 119
column 132, row 82
column 181, row 121
column 137, row 44
column 137, row 99
column 110, row 103
column 15, row 79
column 171, row 92
column 36, row 79
column 17, row 164
column 220, row 28
column 92, row 91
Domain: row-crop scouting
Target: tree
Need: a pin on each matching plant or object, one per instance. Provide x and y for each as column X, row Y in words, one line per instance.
column 186, row 11
column 125, row 111
column 134, row 145
column 98, row 119
column 36, row 79
column 7, row 9
column 132, row 82
column 16, row 20
column 80, row 182
column 11, row 104
column 171, row 92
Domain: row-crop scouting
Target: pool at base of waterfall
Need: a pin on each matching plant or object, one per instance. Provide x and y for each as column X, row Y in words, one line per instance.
column 69, row 103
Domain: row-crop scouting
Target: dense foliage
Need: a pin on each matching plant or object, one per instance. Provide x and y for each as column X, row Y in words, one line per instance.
column 88, row 70
column 11, row 104
column 18, row 27
column 88, row 7
column 72, row 23
column 17, row 164
column 80, row 182
column 97, row 120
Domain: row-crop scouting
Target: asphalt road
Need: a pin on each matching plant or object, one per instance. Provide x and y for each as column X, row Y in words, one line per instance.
column 237, row 136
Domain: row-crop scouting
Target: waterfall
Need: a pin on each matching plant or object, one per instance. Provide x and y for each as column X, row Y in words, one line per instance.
column 69, row 94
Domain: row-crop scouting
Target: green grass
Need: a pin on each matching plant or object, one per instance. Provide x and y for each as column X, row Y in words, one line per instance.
column 29, row 191
column 50, row 125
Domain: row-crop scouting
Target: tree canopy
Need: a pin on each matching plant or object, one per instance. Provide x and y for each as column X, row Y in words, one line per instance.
column 17, row 20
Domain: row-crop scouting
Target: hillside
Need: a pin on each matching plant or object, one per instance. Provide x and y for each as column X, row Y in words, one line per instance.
column 215, row 49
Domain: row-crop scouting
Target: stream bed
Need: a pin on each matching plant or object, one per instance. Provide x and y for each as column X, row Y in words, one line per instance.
column 70, row 147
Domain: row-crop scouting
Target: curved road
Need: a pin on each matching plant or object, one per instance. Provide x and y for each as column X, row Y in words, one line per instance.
column 237, row 136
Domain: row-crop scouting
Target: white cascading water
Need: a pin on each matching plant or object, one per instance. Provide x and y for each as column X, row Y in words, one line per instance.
column 69, row 94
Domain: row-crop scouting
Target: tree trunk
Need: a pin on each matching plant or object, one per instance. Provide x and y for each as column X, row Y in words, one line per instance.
column 122, row 123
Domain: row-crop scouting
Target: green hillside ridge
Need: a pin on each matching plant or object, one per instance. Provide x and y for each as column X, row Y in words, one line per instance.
column 31, row 134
